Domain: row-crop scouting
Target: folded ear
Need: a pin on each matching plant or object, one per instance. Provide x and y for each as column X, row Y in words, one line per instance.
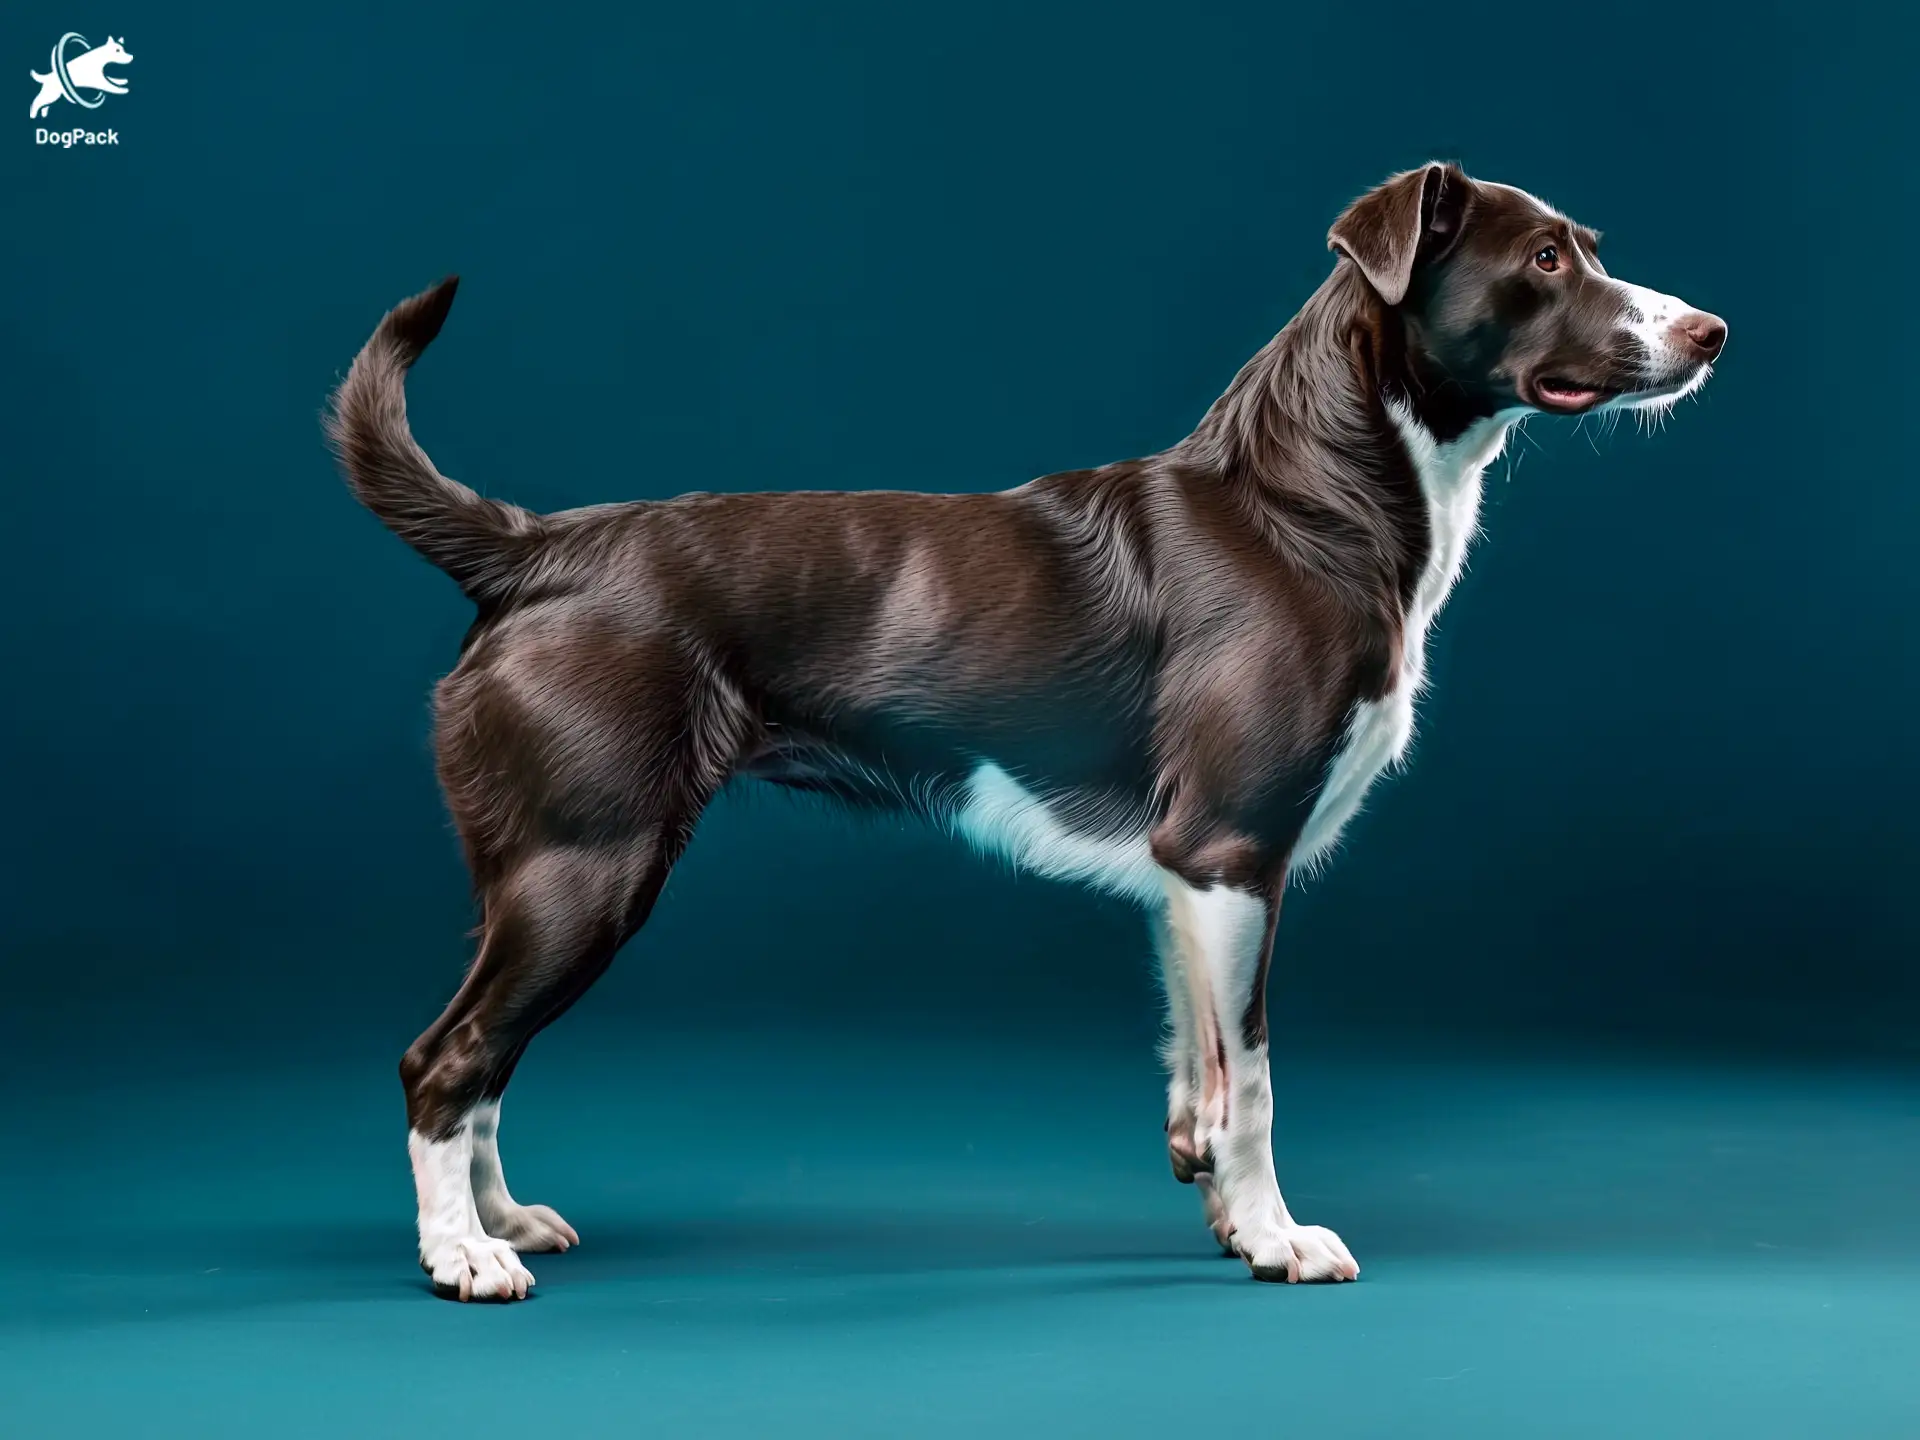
column 1415, row 215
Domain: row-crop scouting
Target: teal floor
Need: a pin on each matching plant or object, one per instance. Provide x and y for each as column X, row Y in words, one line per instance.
column 936, row 1240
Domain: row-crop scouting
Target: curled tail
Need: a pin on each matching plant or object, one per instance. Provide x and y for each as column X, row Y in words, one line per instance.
column 483, row 544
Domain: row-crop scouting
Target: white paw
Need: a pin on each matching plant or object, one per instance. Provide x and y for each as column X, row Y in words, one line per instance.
column 1296, row 1253
column 477, row 1268
column 529, row 1228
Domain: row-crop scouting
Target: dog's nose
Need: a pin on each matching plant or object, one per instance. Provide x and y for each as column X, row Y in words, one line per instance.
column 1699, row 332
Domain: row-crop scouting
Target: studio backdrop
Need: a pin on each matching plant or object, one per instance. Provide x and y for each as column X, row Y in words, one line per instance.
column 1665, row 779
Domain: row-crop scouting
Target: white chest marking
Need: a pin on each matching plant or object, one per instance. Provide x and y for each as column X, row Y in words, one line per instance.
column 1000, row 816
column 1380, row 731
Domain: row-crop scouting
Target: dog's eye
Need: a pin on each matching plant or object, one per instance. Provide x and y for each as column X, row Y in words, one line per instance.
column 1548, row 259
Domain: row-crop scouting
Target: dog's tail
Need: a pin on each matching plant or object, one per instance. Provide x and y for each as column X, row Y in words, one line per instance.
column 483, row 544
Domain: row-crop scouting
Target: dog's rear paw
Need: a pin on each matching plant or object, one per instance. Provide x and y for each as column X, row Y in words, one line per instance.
column 476, row 1268
column 530, row 1228
column 1296, row 1254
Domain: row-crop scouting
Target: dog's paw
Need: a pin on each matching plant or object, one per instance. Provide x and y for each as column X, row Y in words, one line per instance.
column 531, row 1229
column 476, row 1268
column 1296, row 1253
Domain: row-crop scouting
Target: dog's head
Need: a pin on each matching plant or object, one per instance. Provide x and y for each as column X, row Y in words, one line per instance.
column 1506, row 305
column 113, row 52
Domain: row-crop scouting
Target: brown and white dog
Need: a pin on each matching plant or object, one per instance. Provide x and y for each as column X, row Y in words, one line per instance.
column 1174, row 677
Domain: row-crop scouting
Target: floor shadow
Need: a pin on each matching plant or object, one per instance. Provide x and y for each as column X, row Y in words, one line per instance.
column 889, row 1242
column 164, row 1273
column 769, row 1267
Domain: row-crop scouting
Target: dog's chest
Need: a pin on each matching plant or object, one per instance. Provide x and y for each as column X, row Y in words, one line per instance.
column 1380, row 730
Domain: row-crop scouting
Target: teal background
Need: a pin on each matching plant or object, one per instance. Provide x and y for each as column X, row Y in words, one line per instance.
column 1596, row 1039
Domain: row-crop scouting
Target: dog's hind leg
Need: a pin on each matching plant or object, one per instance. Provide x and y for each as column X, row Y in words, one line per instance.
column 527, row 1228
column 575, row 785
column 552, row 926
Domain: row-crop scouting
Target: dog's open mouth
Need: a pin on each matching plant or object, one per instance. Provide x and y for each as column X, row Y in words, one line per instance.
column 1567, row 397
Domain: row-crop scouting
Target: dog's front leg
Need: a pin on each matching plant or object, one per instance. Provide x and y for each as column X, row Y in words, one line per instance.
column 1224, row 939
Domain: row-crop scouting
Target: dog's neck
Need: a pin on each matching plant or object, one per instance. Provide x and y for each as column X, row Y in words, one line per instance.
column 1341, row 433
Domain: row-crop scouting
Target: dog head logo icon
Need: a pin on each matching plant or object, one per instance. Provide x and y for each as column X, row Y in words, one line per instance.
column 76, row 69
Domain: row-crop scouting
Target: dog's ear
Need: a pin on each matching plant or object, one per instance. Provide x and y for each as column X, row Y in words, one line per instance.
column 1414, row 216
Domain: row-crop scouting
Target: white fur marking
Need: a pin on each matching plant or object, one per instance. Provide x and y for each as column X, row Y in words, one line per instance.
column 525, row 1227
column 1381, row 730
column 1649, row 319
column 1001, row 817
column 1650, row 315
column 1219, row 933
column 454, row 1249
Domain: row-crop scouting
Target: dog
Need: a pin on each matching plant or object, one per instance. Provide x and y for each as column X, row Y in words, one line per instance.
column 1174, row 678
column 87, row 71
